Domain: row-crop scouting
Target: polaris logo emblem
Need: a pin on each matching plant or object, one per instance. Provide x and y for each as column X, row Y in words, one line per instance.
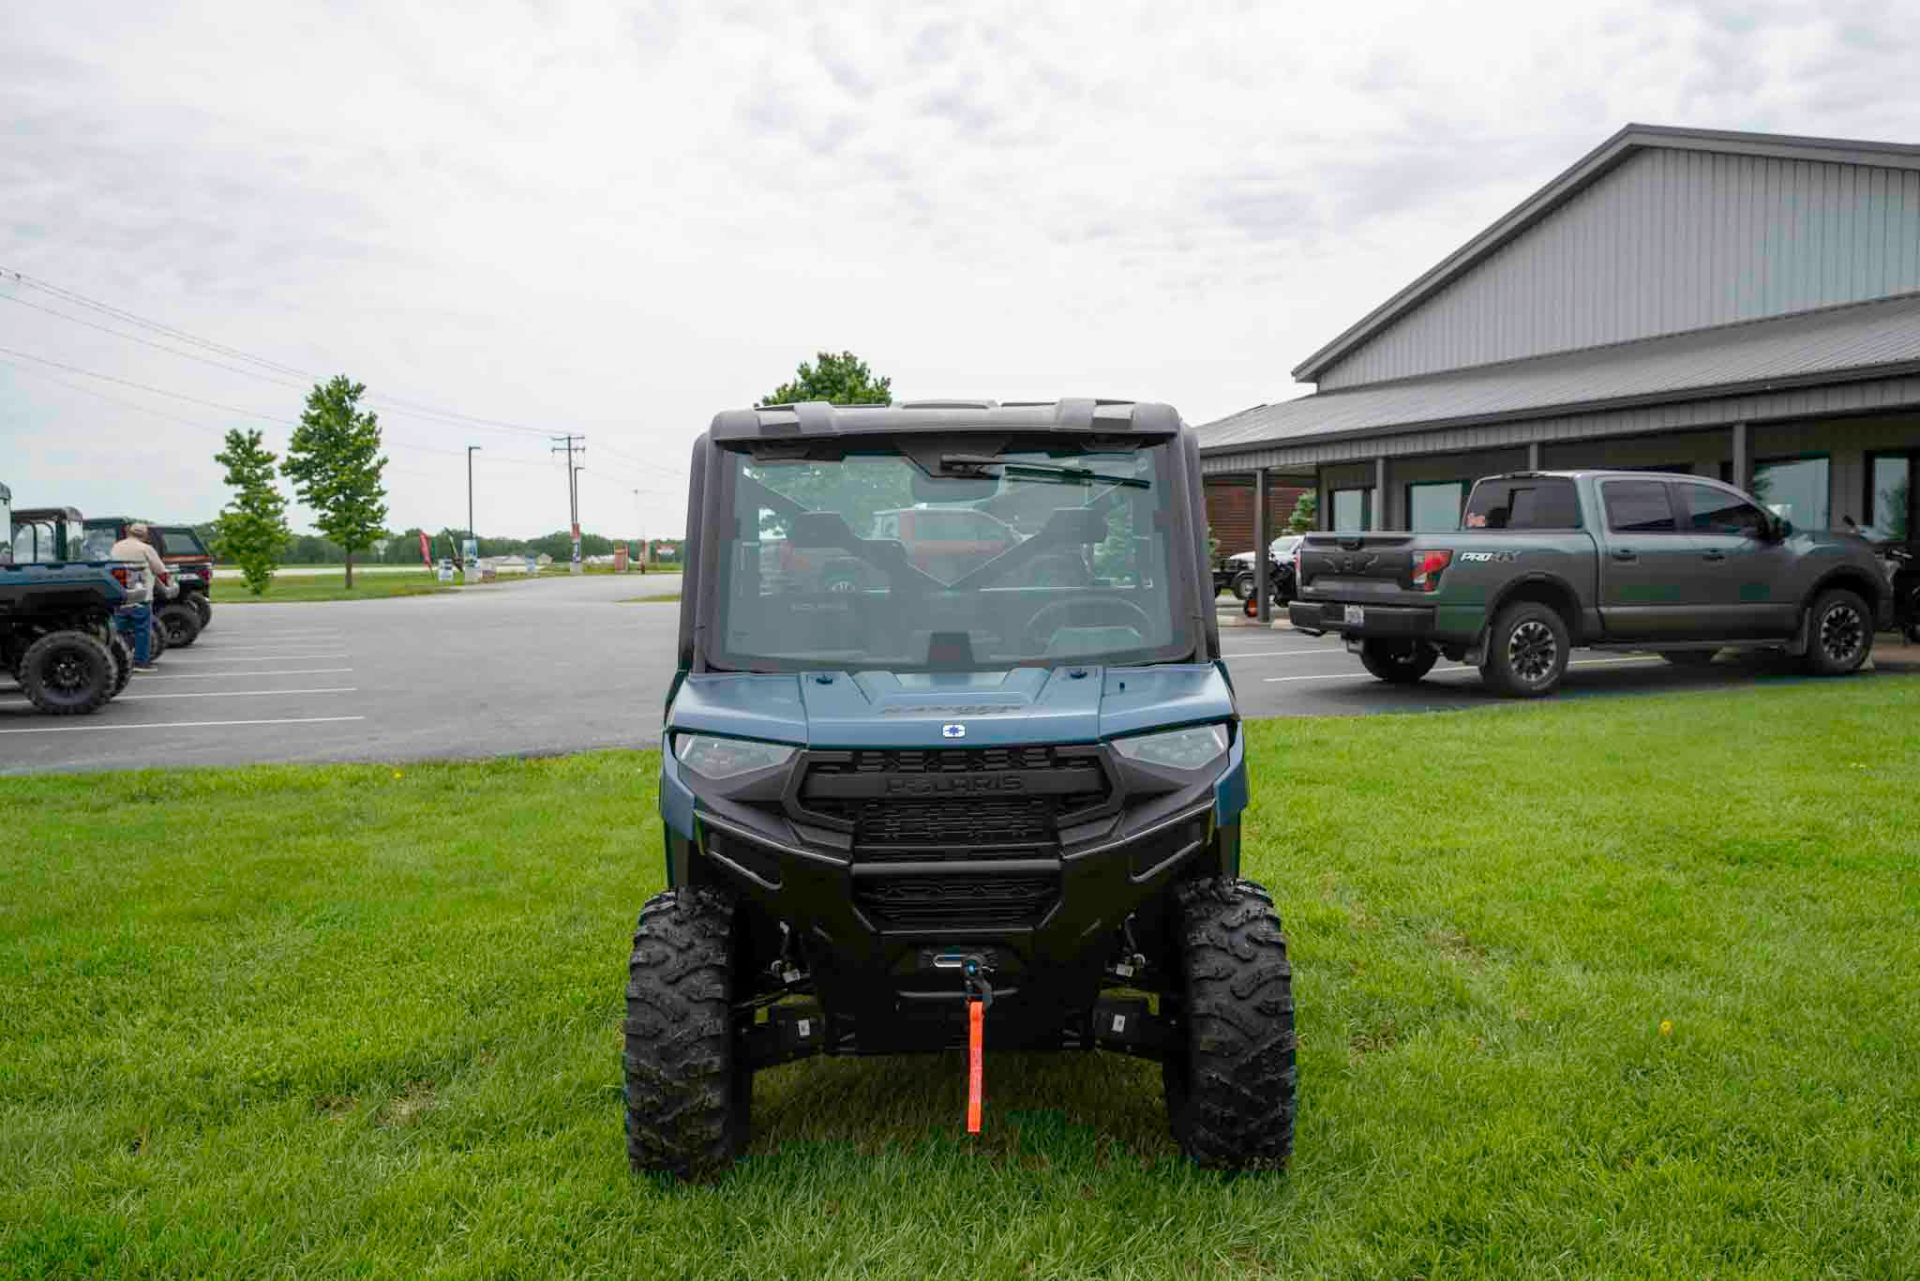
column 953, row 784
column 952, row 730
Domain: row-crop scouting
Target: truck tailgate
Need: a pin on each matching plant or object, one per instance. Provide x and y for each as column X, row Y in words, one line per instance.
column 1361, row 566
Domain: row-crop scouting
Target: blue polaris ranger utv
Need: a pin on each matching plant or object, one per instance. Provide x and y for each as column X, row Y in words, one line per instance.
column 952, row 762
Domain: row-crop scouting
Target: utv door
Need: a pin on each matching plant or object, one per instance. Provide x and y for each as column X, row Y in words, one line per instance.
column 1651, row 584
column 1748, row 579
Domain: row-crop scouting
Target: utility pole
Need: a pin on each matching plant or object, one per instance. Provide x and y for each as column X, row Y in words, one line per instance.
column 471, row 531
column 567, row 443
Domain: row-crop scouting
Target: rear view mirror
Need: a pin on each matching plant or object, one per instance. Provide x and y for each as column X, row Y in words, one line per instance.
column 821, row 529
column 1081, row 525
column 953, row 489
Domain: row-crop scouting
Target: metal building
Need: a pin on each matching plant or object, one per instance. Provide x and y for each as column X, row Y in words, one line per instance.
column 1731, row 304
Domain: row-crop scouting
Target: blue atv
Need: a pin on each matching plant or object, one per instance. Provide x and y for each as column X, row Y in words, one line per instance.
column 952, row 760
column 57, row 637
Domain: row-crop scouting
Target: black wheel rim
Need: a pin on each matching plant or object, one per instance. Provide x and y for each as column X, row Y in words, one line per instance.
column 67, row 673
column 1531, row 651
column 1841, row 633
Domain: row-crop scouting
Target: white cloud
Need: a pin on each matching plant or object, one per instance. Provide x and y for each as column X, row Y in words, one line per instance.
column 619, row 219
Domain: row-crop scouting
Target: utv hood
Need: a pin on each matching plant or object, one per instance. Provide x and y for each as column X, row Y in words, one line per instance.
column 1017, row 706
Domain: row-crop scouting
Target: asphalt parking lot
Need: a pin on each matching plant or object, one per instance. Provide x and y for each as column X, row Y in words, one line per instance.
column 566, row 665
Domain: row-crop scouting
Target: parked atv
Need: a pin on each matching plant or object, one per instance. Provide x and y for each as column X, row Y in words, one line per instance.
column 184, row 617
column 56, row 615
column 951, row 808
column 1903, row 574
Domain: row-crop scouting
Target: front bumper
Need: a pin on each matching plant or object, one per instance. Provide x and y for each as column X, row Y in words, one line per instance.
column 867, row 917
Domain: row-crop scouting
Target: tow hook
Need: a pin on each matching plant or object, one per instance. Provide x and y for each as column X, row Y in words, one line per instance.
column 974, row 969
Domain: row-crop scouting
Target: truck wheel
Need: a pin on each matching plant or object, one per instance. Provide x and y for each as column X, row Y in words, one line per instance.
column 1397, row 662
column 181, row 625
column 1839, row 633
column 1229, row 1072
column 67, row 674
column 203, row 607
column 157, row 644
column 1243, row 585
column 688, row 1100
column 122, row 663
column 1527, row 650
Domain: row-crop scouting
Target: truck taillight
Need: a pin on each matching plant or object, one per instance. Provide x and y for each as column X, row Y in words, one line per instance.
column 121, row 576
column 1427, row 567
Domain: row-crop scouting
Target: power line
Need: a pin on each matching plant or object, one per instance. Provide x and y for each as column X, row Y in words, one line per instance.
column 196, row 422
column 137, row 386
column 409, row 407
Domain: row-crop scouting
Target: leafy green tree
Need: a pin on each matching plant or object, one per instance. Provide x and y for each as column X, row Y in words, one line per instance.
column 839, row 380
column 335, row 462
column 252, row 529
column 1306, row 510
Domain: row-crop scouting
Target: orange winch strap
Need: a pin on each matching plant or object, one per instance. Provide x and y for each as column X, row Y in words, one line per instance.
column 976, row 1046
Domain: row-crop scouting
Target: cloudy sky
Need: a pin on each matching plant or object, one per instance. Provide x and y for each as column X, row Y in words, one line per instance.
column 616, row 219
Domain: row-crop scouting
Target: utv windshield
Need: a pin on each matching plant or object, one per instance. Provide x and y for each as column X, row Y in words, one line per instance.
column 955, row 558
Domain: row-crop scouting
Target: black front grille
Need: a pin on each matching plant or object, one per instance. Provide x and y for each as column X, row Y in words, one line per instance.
column 1004, row 799
column 955, row 902
column 978, row 822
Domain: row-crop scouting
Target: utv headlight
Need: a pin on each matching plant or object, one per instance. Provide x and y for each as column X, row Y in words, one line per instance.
column 718, row 758
column 1191, row 748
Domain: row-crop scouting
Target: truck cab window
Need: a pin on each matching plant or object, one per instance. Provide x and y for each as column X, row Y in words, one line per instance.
column 1715, row 511
column 1543, row 502
column 1638, row 507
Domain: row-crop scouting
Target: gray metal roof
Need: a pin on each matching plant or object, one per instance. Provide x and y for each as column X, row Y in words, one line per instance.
column 1582, row 174
column 1863, row 340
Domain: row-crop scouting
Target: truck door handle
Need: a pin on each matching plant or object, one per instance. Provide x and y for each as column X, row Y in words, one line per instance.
column 1714, row 555
column 1625, row 553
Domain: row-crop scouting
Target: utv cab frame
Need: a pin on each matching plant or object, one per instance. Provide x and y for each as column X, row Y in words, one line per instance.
column 972, row 791
column 57, row 612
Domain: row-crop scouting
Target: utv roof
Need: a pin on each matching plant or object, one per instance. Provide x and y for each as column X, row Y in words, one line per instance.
column 817, row 418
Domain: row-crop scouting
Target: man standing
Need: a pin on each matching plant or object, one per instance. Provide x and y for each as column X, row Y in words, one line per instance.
column 137, row 549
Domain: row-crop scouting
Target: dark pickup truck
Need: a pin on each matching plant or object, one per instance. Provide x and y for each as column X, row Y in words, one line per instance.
column 1547, row 561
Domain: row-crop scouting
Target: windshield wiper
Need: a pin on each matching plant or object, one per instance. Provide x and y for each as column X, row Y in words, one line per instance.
column 1057, row 473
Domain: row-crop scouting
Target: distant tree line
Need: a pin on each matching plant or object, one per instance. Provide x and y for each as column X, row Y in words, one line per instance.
column 404, row 548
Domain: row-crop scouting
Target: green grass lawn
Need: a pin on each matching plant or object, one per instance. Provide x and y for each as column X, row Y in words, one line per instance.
column 1615, row 987
column 377, row 586
column 331, row 585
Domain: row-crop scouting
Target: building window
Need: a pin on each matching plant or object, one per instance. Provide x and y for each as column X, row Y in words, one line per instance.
column 1795, row 488
column 1890, row 499
column 1435, row 508
column 1351, row 509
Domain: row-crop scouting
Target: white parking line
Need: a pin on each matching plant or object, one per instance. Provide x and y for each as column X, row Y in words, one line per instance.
column 120, row 725
column 262, row 658
column 200, row 676
column 236, row 693
column 1315, row 652
column 231, row 649
column 1457, row 671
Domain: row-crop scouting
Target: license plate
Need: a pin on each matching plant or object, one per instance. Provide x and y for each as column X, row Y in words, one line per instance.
column 1356, row 616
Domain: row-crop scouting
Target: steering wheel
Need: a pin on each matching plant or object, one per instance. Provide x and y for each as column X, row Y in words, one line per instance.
column 1035, row 637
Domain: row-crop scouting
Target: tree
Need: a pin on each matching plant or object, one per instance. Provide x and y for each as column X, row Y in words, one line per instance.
column 335, row 462
column 1306, row 509
column 839, row 380
column 252, row 529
